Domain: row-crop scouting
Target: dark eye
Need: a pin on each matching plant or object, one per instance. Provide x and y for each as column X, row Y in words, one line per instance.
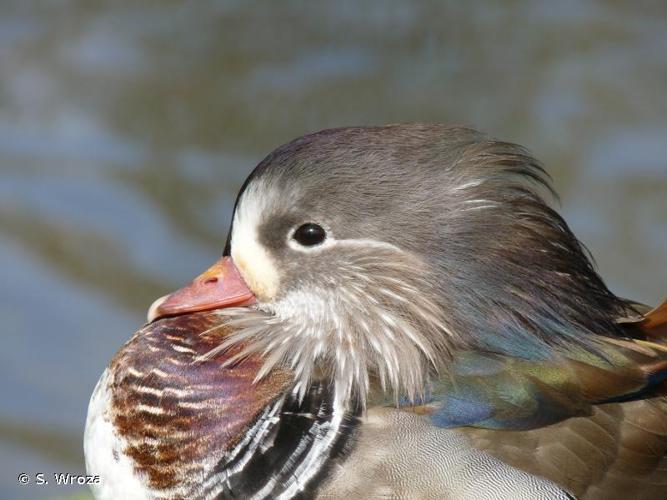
column 310, row 234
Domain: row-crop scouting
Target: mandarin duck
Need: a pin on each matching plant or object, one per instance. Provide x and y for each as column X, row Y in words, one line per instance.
column 398, row 313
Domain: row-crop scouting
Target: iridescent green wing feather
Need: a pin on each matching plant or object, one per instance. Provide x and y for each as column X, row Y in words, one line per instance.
column 501, row 392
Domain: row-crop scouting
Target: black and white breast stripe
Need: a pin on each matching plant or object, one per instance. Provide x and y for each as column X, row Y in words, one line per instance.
column 287, row 452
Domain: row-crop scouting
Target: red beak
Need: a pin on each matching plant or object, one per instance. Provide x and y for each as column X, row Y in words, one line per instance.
column 221, row 285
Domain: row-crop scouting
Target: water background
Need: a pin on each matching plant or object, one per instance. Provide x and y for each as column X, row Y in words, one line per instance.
column 126, row 129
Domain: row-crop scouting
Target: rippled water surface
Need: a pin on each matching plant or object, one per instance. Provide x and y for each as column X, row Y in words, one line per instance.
column 126, row 130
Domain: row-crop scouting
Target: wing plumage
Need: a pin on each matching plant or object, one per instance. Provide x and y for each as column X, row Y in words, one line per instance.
column 496, row 391
column 594, row 423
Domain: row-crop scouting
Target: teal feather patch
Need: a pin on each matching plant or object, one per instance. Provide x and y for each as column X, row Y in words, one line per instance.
column 500, row 392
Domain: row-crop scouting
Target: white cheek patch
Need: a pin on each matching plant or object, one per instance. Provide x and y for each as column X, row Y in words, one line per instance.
column 254, row 262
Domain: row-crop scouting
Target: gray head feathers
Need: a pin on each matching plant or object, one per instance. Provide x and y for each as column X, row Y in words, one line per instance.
column 441, row 240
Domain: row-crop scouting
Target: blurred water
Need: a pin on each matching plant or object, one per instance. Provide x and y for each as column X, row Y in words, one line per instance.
column 125, row 131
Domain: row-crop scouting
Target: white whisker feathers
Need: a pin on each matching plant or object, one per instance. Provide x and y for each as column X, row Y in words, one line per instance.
column 373, row 325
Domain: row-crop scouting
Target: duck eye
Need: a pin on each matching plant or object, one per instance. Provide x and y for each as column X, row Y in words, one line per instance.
column 310, row 234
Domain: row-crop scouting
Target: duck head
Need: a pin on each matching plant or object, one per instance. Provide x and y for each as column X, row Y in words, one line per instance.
column 364, row 254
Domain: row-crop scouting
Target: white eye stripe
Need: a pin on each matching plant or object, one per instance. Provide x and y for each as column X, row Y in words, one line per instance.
column 363, row 242
column 351, row 242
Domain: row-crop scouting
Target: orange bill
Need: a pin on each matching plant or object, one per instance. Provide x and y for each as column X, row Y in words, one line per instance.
column 221, row 285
